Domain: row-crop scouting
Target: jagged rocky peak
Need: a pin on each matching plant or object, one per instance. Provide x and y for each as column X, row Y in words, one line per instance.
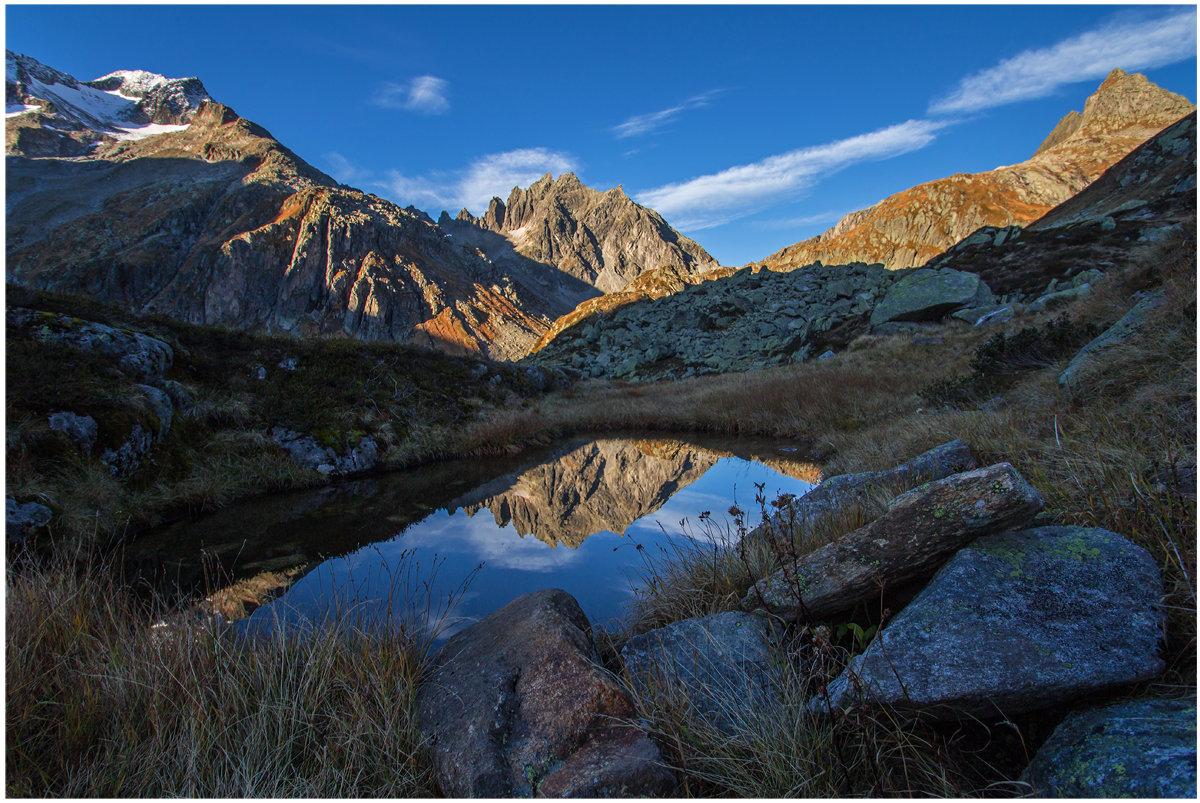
column 603, row 239
column 167, row 101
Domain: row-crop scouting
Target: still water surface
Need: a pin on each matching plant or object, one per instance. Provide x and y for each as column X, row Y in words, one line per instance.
column 581, row 515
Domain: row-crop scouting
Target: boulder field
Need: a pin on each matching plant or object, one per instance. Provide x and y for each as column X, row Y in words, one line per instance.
column 1012, row 618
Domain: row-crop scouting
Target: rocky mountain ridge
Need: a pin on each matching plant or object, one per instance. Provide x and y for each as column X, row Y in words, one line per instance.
column 214, row 221
column 756, row 318
column 914, row 226
column 603, row 239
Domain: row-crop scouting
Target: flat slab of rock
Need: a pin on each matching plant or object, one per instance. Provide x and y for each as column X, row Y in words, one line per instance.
column 724, row 661
column 1129, row 324
column 938, row 462
column 1133, row 748
column 1016, row 622
column 921, row 529
column 515, row 706
column 929, row 294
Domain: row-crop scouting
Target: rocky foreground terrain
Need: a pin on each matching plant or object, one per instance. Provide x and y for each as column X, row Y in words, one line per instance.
column 166, row 201
column 666, row 325
column 910, row 228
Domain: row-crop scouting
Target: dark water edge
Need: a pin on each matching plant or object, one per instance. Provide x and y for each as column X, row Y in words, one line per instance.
column 579, row 514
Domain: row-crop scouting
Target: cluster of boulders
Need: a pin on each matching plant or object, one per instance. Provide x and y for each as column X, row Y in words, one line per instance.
column 135, row 355
column 751, row 320
column 1017, row 618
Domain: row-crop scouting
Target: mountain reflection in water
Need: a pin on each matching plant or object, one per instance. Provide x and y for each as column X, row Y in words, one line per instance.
column 592, row 507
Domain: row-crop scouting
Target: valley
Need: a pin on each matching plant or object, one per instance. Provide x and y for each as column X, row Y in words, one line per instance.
column 232, row 378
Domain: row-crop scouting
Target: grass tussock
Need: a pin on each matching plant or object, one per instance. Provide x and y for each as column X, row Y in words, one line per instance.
column 109, row 698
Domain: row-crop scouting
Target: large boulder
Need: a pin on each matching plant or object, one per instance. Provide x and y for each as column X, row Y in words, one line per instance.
column 1132, row 748
column 912, row 539
column 515, row 706
column 724, row 664
column 930, row 294
column 135, row 354
column 1016, row 622
column 1129, row 324
column 22, row 520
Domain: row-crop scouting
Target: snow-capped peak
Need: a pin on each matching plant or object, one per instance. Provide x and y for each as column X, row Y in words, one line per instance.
column 127, row 104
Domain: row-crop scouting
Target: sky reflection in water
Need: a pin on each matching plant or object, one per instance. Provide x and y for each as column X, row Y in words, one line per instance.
column 598, row 573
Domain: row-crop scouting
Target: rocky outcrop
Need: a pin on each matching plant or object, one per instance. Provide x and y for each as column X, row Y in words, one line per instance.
column 744, row 320
column 603, row 239
column 1148, row 195
column 322, row 457
column 23, row 520
column 920, row 529
column 912, row 227
column 1133, row 748
column 725, row 666
column 133, row 353
column 930, row 295
column 514, row 706
column 1089, row 356
column 1016, row 622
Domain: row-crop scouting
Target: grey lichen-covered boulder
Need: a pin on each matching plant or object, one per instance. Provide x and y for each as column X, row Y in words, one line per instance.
column 847, row 489
column 724, row 664
column 124, row 459
column 22, row 520
column 1132, row 748
column 984, row 316
column 1016, row 622
column 81, row 429
column 929, row 294
column 307, row 453
column 921, row 528
column 161, row 406
column 135, row 354
column 515, row 706
column 1129, row 324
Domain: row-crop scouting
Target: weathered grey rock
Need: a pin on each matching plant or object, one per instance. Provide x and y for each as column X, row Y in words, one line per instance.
column 161, row 407
column 137, row 355
column 181, row 398
column 847, row 489
column 725, row 662
column 307, row 453
column 929, row 294
column 1129, row 324
column 81, row 429
column 921, row 528
column 982, row 316
column 1058, row 298
column 1016, row 622
column 1132, row 748
column 516, row 706
column 21, row 521
column 125, row 458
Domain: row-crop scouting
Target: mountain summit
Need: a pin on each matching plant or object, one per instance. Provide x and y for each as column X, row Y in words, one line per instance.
column 912, row 227
column 603, row 239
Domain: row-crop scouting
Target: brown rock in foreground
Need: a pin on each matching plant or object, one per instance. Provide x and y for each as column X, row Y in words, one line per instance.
column 921, row 529
column 515, row 706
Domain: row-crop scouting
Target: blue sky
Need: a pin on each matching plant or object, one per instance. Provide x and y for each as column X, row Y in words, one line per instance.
column 748, row 128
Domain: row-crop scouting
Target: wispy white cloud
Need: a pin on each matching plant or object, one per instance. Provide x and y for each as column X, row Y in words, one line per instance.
column 488, row 176
column 645, row 123
column 1125, row 43
column 344, row 170
column 425, row 94
column 714, row 199
column 797, row 222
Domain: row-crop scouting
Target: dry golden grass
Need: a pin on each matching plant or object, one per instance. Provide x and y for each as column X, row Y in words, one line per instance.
column 103, row 702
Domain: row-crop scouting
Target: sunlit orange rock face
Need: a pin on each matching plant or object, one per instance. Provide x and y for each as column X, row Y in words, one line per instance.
column 911, row 227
